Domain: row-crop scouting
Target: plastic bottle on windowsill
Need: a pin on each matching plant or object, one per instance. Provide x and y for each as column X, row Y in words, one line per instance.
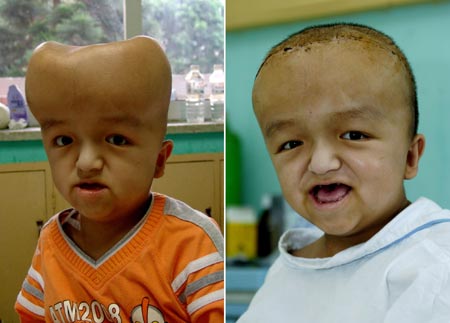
column 195, row 95
column 217, row 96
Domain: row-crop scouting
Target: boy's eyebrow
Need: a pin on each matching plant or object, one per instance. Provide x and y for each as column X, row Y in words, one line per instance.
column 276, row 125
column 123, row 119
column 128, row 120
column 363, row 112
column 49, row 123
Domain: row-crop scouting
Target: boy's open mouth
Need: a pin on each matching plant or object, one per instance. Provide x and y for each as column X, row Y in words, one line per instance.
column 91, row 186
column 329, row 193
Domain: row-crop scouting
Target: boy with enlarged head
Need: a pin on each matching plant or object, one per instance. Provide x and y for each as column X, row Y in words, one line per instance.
column 122, row 254
column 337, row 108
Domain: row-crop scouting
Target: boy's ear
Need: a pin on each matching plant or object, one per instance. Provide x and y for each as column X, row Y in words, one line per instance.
column 163, row 155
column 415, row 151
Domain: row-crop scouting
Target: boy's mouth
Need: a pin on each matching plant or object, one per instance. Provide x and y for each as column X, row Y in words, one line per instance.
column 330, row 193
column 91, row 186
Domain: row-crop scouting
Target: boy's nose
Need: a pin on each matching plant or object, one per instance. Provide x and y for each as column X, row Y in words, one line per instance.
column 89, row 161
column 324, row 159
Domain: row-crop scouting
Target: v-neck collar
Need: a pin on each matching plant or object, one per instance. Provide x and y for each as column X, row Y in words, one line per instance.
column 71, row 219
column 97, row 271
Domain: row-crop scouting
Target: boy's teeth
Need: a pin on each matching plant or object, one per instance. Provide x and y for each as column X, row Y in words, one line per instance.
column 330, row 193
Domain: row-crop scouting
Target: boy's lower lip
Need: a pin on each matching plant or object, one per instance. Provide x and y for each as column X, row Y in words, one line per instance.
column 90, row 190
column 331, row 203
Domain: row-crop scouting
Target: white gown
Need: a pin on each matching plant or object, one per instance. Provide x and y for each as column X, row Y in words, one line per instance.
column 401, row 275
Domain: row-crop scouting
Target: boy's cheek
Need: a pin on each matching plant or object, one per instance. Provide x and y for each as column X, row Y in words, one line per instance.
column 57, row 158
column 279, row 169
column 288, row 163
column 288, row 177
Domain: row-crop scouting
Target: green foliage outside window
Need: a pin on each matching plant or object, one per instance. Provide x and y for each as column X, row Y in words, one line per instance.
column 191, row 31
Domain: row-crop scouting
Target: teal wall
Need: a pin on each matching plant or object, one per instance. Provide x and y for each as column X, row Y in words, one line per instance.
column 420, row 30
column 21, row 151
column 33, row 151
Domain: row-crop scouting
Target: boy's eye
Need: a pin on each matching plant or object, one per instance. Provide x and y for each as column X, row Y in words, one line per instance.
column 62, row 141
column 354, row 135
column 291, row 145
column 117, row 140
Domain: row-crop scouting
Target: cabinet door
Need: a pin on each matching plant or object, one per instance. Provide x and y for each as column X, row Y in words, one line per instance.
column 24, row 204
column 195, row 180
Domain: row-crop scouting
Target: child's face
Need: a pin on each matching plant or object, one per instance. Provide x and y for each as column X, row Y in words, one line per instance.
column 103, row 114
column 335, row 119
column 103, row 159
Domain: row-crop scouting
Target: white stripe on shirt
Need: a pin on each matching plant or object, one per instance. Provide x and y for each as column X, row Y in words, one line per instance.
column 36, row 276
column 30, row 306
column 194, row 266
column 205, row 300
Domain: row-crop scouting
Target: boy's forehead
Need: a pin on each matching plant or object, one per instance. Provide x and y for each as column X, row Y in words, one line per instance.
column 93, row 113
column 327, row 64
column 358, row 72
column 110, row 106
column 325, row 51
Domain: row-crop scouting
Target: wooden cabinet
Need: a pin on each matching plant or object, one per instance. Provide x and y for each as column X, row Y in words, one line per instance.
column 25, row 200
column 27, row 196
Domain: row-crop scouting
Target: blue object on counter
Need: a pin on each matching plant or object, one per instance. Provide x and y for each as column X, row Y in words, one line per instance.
column 17, row 104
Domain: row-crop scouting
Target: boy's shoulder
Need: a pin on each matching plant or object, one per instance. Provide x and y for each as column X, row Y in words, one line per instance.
column 183, row 212
column 184, row 237
column 179, row 216
column 425, row 220
column 422, row 224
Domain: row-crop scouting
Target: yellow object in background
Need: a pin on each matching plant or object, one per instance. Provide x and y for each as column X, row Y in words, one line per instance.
column 242, row 229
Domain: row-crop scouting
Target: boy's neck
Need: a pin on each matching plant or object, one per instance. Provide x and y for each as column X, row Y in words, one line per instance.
column 329, row 245
column 97, row 238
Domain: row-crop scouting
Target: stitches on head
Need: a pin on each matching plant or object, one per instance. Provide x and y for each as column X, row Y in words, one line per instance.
column 348, row 31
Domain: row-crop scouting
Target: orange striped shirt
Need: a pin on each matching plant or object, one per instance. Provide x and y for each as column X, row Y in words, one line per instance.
column 169, row 268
